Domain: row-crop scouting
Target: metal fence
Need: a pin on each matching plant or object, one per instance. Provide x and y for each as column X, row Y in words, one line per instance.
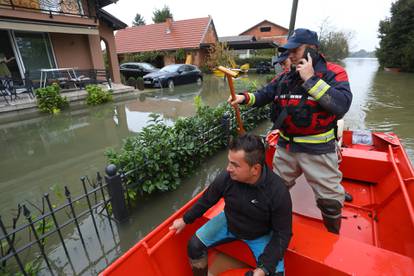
column 33, row 226
column 63, row 7
column 38, row 227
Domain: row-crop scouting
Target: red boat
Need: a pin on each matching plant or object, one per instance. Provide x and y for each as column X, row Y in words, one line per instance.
column 377, row 234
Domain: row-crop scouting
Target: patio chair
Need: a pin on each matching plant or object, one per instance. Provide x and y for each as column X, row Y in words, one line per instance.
column 82, row 78
column 28, row 87
column 8, row 87
column 3, row 91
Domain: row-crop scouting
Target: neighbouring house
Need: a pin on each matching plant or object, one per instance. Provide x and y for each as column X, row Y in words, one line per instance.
column 267, row 30
column 58, row 34
column 243, row 44
column 168, row 38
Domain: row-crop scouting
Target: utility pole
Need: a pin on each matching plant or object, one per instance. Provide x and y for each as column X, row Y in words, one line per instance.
column 293, row 17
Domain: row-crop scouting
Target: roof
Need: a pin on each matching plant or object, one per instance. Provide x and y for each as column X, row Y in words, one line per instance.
column 186, row 34
column 103, row 3
column 237, row 38
column 111, row 20
column 242, row 45
column 267, row 22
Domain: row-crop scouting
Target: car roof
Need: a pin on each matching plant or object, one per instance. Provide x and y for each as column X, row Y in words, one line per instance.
column 135, row 63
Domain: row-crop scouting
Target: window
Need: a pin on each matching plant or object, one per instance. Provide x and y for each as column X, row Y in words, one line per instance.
column 52, row 5
column 265, row 29
column 35, row 50
column 132, row 66
column 188, row 68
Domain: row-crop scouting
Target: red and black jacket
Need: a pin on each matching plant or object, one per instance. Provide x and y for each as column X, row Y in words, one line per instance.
column 307, row 108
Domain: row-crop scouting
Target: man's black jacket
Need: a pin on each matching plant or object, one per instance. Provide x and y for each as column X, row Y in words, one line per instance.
column 252, row 211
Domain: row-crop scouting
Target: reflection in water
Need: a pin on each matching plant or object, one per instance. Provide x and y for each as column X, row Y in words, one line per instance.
column 360, row 73
column 46, row 151
column 391, row 106
column 57, row 150
column 382, row 101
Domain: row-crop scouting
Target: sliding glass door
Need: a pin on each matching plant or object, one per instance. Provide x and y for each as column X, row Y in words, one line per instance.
column 35, row 50
column 10, row 68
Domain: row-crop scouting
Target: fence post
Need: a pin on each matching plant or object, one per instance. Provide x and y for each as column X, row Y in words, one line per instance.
column 225, row 123
column 115, row 190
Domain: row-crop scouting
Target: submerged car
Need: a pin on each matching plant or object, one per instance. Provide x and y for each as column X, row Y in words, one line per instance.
column 136, row 69
column 174, row 74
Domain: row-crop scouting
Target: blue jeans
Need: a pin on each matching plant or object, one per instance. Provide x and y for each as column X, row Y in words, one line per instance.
column 216, row 231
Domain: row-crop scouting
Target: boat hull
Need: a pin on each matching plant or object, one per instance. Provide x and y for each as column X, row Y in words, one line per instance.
column 377, row 234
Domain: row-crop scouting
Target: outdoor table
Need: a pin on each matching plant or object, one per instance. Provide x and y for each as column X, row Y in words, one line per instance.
column 44, row 74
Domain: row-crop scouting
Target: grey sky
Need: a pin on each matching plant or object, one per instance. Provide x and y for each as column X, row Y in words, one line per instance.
column 233, row 17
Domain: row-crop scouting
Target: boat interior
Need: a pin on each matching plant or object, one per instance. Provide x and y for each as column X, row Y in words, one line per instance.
column 376, row 238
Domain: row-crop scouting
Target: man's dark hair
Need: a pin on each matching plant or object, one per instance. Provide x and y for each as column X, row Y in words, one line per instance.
column 253, row 147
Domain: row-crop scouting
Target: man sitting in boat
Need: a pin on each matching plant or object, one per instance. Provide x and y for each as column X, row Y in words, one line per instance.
column 258, row 210
column 308, row 102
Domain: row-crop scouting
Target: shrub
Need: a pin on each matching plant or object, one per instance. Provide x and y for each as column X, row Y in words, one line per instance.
column 96, row 95
column 131, row 81
column 140, row 83
column 49, row 99
column 180, row 56
column 161, row 155
column 220, row 54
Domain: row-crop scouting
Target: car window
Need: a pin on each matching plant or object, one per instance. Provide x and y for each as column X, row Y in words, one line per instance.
column 147, row 66
column 170, row 68
column 188, row 68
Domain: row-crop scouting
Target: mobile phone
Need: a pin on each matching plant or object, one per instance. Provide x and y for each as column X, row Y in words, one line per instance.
column 313, row 53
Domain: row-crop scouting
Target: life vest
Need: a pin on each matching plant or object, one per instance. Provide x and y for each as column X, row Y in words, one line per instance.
column 297, row 114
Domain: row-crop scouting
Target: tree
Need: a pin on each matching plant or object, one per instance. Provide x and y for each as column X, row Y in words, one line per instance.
column 219, row 54
column 161, row 15
column 396, row 34
column 138, row 20
column 334, row 45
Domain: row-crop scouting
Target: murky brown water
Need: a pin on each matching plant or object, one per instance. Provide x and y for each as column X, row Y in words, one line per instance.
column 41, row 152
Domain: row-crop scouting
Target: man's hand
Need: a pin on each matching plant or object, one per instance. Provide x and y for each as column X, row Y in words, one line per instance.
column 259, row 272
column 256, row 272
column 178, row 225
column 239, row 99
column 305, row 68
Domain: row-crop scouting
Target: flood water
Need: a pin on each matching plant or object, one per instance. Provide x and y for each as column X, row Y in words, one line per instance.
column 55, row 151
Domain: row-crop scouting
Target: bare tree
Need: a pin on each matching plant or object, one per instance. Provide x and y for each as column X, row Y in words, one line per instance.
column 334, row 44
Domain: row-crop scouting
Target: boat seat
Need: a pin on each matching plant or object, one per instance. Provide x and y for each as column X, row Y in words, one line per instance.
column 212, row 212
column 375, row 164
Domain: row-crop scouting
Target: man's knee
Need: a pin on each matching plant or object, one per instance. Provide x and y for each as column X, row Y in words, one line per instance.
column 329, row 207
column 196, row 249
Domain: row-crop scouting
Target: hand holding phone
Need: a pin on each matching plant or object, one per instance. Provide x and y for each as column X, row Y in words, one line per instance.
column 305, row 66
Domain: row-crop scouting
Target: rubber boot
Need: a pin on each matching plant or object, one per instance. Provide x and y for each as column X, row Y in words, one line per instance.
column 348, row 197
column 200, row 271
column 332, row 224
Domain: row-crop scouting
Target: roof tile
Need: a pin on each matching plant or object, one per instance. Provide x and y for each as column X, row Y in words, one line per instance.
column 184, row 34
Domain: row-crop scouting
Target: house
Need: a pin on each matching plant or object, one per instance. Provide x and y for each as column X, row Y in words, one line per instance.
column 167, row 38
column 242, row 44
column 58, row 34
column 267, row 30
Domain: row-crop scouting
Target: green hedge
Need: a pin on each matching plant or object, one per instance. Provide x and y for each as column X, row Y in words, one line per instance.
column 161, row 155
column 49, row 99
column 96, row 95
